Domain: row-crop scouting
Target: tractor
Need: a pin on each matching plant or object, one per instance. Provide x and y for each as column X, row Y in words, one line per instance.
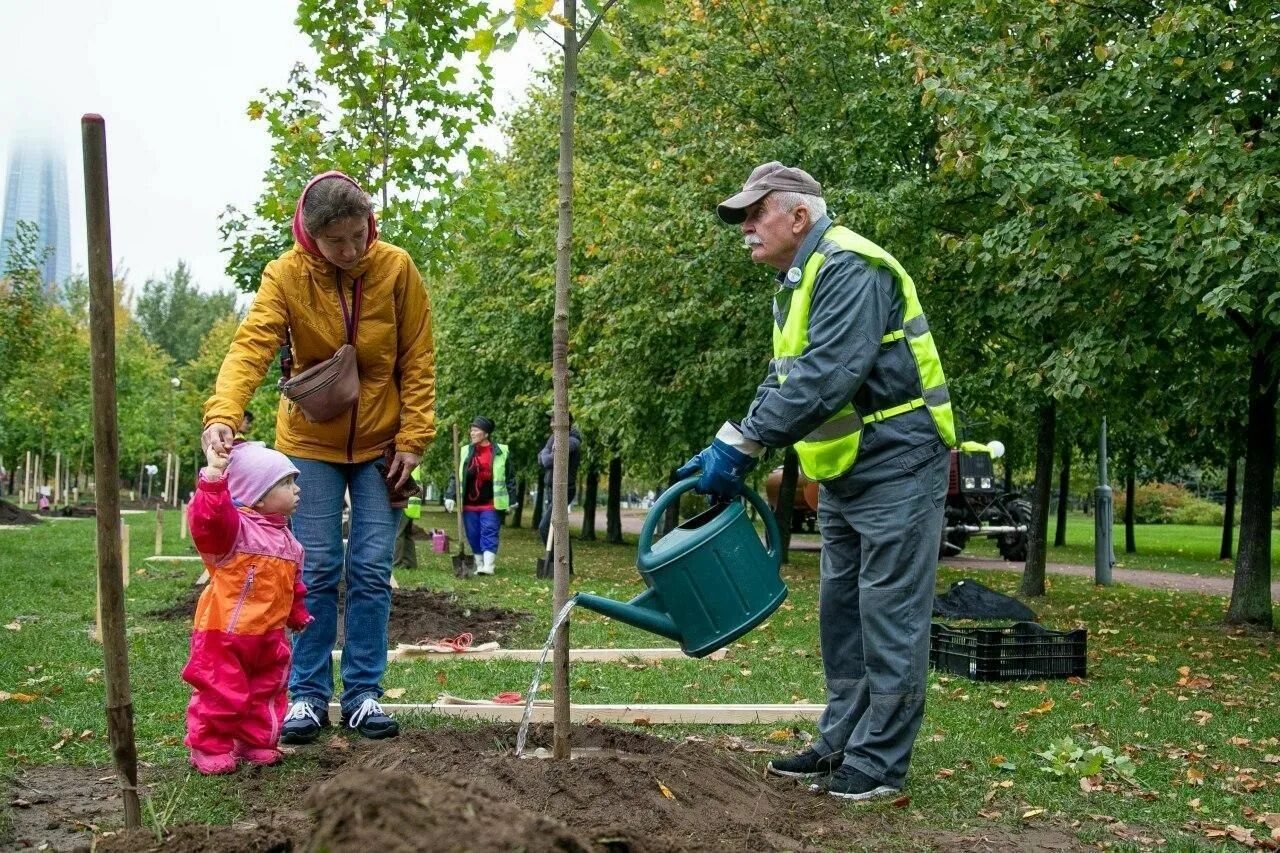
column 975, row 504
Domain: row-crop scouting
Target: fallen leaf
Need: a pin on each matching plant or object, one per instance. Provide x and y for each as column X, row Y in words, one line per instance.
column 1089, row 784
column 779, row 735
column 14, row 626
column 1271, row 759
column 394, row 693
column 23, row 697
column 666, row 792
column 1269, row 819
column 998, row 705
column 902, row 802
column 441, row 678
column 1201, row 717
column 1043, row 708
column 1030, row 813
column 1194, row 776
column 946, row 773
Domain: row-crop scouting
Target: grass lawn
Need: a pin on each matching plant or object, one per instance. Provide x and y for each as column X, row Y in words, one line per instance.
column 1185, row 548
column 1191, row 704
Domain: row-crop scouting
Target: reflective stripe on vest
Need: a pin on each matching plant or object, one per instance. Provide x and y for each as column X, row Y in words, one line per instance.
column 501, row 500
column 832, row 449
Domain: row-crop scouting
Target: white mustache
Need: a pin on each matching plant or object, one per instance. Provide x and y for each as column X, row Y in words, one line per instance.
column 751, row 241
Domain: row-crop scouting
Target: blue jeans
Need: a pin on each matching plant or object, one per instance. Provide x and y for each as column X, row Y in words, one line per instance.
column 482, row 526
column 366, row 568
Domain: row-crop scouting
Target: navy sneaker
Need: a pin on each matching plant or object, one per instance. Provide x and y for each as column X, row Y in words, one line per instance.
column 303, row 722
column 371, row 721
column 852, row 784
column 806, row 764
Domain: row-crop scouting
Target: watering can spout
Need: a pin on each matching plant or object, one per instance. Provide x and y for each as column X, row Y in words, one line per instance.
column 644, row 612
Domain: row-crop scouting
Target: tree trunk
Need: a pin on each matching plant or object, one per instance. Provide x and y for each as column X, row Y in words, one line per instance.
column 560, row 381
column 589, row 495
column 1251, row 589
column 521, row 489
column 1064, row 495
column 613, row 507
column 1229, row 511
column 785, row 508
column 1033, row 574
column 1008, row 474
column 672, row 516
column 1130, row 492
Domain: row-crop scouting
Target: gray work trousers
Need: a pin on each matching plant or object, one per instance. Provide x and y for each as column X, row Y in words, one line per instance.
column 880, row 535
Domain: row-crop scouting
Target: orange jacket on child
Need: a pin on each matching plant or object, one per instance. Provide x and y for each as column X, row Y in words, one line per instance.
column 239, row 664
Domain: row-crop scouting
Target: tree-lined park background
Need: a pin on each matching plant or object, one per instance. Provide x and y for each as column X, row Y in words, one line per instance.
column 1086, row 194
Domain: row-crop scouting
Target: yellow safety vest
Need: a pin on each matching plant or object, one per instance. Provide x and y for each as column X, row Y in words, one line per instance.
column 832, row 449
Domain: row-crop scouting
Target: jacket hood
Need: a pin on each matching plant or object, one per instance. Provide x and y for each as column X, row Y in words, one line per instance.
column 300, row 234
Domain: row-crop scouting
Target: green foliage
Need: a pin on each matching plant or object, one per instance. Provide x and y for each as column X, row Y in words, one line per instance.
column 1167, row 503
column 1067, row 758
column 389, row 101
column 174, row 315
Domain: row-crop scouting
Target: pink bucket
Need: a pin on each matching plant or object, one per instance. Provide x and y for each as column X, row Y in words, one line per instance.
column 439, row 541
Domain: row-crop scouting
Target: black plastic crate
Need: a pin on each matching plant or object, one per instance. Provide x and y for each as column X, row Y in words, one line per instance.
column 1024, row 650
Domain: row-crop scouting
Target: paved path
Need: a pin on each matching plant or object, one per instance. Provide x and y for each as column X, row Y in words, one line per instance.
column 633, row 518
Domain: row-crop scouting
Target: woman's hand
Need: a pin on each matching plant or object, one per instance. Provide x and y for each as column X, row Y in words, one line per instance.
column 217, row 436
column 402, row 468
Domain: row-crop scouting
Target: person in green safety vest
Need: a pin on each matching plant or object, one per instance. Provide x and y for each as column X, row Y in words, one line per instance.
column 857, row 387
column 405, row 554
column 488, row 482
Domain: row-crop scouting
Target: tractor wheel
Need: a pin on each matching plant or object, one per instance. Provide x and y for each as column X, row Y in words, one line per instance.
column 1013, row 546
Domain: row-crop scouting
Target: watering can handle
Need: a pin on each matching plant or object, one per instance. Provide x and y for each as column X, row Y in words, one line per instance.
column 773, row 537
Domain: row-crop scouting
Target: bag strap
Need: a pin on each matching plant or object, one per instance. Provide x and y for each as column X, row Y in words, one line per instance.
column 350, row 322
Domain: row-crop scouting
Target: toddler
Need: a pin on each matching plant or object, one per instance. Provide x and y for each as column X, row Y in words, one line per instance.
column 239, row 665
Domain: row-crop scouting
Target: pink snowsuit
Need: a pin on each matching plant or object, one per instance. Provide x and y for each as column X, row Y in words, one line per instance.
column 239, row 665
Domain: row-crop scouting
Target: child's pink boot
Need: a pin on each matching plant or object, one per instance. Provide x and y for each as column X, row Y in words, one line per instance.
column 260, row 757
column 213, row 765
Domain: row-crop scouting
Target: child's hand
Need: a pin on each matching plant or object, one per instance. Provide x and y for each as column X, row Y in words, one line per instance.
column 216, row 457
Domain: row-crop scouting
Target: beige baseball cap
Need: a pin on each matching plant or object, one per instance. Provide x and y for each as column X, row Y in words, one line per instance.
column 764, row 180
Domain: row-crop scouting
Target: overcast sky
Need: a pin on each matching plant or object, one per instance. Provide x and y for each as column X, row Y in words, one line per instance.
column 172, row 79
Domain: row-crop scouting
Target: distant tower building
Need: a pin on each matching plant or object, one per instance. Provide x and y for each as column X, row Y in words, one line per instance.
column 36, row 191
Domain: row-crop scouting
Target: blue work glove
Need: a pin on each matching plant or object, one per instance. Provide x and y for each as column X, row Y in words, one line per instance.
column 724, row 464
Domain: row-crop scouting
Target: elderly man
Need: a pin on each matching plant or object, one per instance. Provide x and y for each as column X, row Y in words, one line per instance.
column 857, row 386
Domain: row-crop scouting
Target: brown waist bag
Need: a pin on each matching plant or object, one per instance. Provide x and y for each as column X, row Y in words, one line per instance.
column 326, row 390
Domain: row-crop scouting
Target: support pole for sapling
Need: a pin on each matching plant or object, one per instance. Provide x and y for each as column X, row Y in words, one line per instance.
column 106, row 464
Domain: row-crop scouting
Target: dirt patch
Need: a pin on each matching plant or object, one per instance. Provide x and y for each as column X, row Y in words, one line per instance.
column 14, row 514
column 448, row 790
column 62, row 807
column 424, row 615
column 417, row 616
column 76, row 511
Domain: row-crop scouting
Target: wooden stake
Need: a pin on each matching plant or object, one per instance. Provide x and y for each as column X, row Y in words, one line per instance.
column 106, row 463
column 57, row 478
column 26, row 480
column 182, row 522
column 168, row 471
column 159, row 531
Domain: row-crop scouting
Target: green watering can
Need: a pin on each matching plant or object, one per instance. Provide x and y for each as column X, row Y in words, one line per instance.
column 710, row 580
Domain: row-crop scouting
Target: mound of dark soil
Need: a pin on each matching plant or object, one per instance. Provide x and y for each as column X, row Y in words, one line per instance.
column 463, row 790
column 14, row 514
column 70, row 511
column 417, row 616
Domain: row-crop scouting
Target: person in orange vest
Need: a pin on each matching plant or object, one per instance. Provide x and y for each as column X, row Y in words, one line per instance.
column 239, row 664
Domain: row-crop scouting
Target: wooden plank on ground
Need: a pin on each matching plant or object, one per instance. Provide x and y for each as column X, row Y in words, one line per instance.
column 648, row 714
column 409, row 652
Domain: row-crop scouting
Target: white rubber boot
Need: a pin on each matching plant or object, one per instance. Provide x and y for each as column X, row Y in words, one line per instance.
column 485, row 566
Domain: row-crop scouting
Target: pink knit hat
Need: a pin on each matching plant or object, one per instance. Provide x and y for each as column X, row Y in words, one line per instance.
column 253, row 469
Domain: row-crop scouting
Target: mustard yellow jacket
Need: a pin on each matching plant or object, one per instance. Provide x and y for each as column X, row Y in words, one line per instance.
column 394, row 350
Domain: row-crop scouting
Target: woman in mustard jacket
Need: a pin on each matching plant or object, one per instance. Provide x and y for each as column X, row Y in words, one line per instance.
column 340, row 283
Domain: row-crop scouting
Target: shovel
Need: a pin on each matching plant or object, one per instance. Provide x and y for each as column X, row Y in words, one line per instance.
column 546, row 566
column 464, row 564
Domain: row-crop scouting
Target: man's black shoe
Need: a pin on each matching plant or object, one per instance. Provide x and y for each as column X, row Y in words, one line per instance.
column 806, row 764
column 851, row 784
